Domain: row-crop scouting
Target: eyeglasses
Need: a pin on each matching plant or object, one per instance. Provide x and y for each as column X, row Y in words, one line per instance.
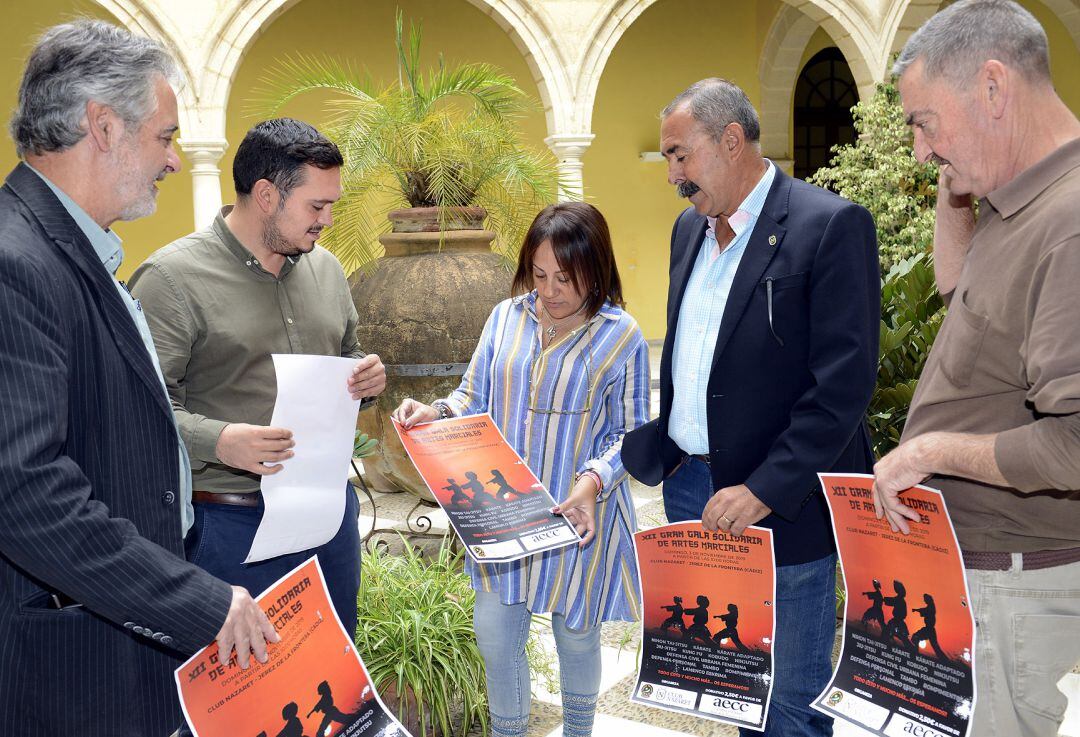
column 588, row 386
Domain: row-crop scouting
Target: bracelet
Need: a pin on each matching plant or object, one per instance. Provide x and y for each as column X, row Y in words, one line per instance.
column 440, row 406
column 596, row 479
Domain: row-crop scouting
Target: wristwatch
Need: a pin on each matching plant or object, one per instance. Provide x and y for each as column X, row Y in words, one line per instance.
column 443, row 409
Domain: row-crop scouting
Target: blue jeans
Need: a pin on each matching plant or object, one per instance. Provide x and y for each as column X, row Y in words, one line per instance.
column 501, row 633
column 805, row 619
column 221, row 537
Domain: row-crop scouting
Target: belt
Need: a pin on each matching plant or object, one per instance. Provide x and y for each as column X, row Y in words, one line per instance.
column 1033, row 561
column 703, row 458
column 251, row 499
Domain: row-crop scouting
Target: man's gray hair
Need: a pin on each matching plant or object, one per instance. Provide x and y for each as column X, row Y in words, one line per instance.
column 717, row 103
column 75, row 63
column 956, row 42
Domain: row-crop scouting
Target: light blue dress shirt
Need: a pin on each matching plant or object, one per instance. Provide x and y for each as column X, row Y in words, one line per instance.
column 107, row 245
column 700, row 314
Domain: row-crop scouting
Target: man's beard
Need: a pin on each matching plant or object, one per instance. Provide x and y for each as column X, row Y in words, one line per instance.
column 138, row 195
column 277, row 243
column 688, row 189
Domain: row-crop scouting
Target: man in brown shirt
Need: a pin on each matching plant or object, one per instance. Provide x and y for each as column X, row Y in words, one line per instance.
column 995, row 423
column 219, row 302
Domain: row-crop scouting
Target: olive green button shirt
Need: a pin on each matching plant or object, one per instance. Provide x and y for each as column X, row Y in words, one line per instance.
column 1007, row 361
column 217, row 316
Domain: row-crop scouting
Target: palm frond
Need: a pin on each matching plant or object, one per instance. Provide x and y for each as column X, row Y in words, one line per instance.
column 296, row 75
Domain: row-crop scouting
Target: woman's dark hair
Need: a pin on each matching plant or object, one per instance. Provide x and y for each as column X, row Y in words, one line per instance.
column 580, row 238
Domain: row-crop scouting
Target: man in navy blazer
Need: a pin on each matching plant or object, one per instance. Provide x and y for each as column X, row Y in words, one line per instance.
column 97, row 605
column 768, row 367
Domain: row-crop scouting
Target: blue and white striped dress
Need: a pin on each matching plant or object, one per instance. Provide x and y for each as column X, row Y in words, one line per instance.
column 509, row 373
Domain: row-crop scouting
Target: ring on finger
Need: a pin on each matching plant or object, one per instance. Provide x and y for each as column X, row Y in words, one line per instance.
column 729, row 521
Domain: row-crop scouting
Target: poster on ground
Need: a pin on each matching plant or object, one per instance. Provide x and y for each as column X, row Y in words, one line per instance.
column 708, row 626
column 907, row 662
column 314, row 683
column 495, row 504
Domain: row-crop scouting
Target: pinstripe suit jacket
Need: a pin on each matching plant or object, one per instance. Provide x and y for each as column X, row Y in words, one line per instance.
column 88, row 502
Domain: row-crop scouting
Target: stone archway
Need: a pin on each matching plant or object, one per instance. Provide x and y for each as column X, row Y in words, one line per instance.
column 846, row 22
column 779, row 68
column 905, row 16
column 212, row 50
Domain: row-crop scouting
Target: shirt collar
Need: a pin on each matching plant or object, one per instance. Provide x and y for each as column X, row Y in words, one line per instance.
column 527, row 301
column 1018, row 192
column 106, row 243
column 250, row 262
column 750, row 208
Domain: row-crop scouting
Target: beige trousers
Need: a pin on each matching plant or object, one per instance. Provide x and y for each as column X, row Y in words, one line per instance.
column 1027, row 637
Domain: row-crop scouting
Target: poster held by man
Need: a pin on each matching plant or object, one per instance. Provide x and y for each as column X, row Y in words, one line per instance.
column 708, row 630
column 907, row 658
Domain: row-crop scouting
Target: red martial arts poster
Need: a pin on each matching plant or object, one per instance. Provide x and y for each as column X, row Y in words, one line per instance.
column 495, row 504
column 707, row 633
column 314, row 683
column 906, row 666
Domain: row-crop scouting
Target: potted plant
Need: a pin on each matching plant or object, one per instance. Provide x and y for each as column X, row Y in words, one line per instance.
column 439, row 154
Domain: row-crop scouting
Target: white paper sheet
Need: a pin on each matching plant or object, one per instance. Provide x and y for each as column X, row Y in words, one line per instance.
column 305, row 500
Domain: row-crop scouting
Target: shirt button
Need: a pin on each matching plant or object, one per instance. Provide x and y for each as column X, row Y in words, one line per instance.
column 168, row 498
column 289, row 321
column 248, row 263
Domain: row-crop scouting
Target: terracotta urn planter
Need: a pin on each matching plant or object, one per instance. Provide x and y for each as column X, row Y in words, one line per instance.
column 422, row 311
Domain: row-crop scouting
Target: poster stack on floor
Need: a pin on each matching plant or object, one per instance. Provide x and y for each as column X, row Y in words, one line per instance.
column 495, row 504
column 906, row 666
column 708, row 626
column 314, row 683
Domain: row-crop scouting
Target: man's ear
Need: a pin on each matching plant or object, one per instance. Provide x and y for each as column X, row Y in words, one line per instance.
column 265, row 196
column 734, row 140
column 995, row 87
column 103, row 126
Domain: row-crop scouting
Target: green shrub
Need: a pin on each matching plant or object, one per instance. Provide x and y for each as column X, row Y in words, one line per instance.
column 880, row 173
column 911, row 314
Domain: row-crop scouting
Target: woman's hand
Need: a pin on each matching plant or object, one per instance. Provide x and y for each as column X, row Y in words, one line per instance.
column 412, row 413
column 580, row 509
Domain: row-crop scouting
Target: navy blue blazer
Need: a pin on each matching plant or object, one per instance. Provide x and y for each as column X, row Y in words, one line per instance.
column 789, row 400
column 88, row 495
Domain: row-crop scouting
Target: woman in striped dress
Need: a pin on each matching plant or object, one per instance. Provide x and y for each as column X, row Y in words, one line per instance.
column 564, row 372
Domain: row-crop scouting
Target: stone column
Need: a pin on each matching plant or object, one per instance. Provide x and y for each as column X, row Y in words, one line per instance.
column 205, row 153
column 568, row 149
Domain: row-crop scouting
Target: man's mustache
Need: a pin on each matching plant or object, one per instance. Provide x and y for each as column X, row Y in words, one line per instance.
column 688, row 189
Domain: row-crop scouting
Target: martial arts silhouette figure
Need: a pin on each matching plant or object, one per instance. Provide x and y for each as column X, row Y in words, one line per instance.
column 293, row 726
column 458, row 497
column 480, row 497
column 698, row 630
column 675, row 620
column 929, row 629
column 730, row 631
column 505, row 489
column 330, row 712
column 897, row 628
column 875, row 613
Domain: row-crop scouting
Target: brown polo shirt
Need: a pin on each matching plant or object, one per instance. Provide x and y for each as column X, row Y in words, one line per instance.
column 217, row 315
column 1007, row 361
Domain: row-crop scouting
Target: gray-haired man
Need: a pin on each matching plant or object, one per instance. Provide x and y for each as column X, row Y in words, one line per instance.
column 995, row 422
column 96, row 601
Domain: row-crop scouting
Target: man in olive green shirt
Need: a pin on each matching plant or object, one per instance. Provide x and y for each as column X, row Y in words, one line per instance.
column 995, row 422
column 219, row 302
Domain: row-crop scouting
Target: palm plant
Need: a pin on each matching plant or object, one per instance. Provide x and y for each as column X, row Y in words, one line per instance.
column 443, row 139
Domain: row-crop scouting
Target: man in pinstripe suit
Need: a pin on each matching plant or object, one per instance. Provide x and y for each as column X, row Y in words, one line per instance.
column 97, row 605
